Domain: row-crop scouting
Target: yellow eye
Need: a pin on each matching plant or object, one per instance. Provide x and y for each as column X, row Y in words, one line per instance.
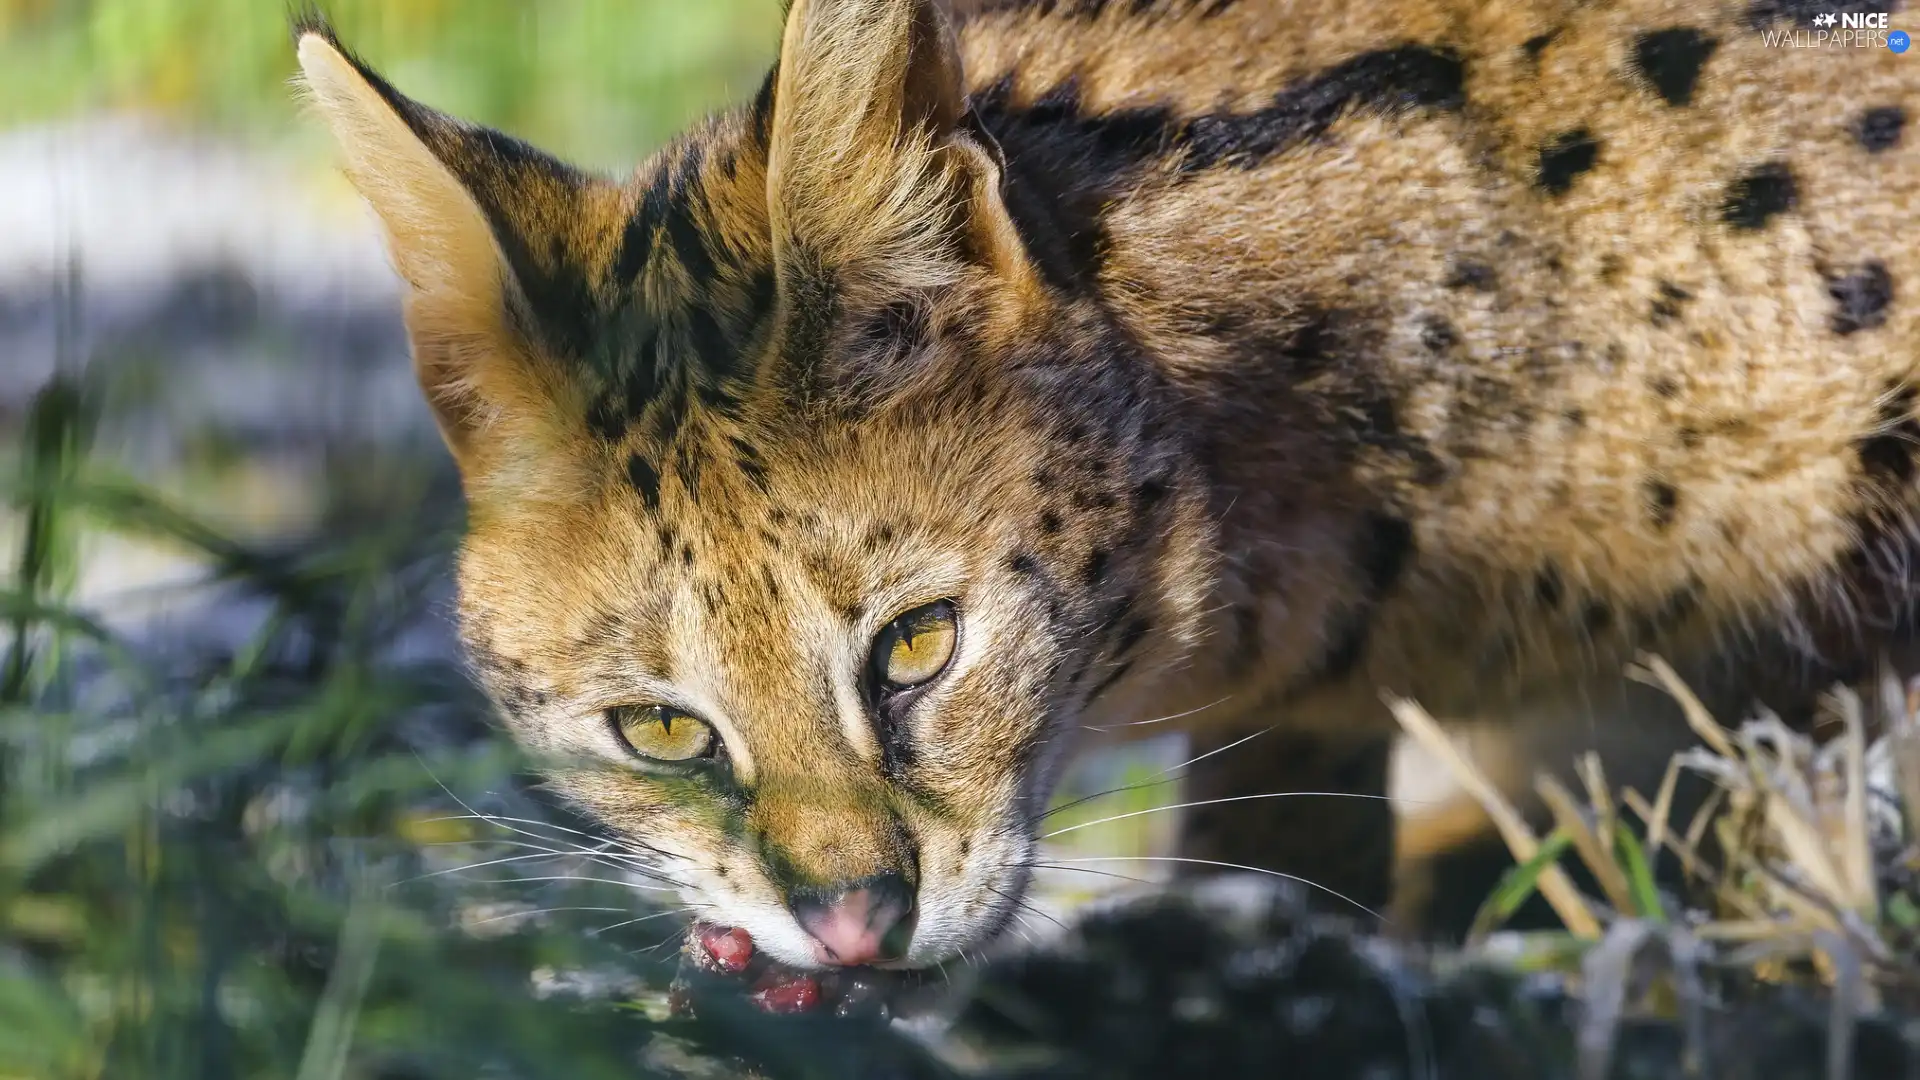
column 916, row 646
column 663, row 733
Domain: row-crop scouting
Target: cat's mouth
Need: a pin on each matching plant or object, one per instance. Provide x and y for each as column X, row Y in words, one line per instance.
column 724, row 960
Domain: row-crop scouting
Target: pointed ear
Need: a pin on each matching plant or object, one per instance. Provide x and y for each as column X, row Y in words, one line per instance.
column 875, row 160
column 492, row 238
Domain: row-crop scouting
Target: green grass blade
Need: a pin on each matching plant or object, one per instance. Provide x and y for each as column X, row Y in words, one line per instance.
column 1633, row 859
column 1518, row 884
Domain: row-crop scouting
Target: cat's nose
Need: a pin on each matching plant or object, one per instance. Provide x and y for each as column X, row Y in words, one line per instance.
column 857, row 922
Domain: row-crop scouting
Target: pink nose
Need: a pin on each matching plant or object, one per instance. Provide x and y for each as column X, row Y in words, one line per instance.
column 856, row 926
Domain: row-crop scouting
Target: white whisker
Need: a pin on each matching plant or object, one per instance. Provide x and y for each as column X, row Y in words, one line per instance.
column 1084, row 870
column 508, row 859
column 1024, row 905
column 536, row 911
column 1237, row 866
column 632, row 848
column 1162, row 773
column 1213, row 802
column 1215, row 750
column 1161, row 719
column 641, row 919
column 571, row 877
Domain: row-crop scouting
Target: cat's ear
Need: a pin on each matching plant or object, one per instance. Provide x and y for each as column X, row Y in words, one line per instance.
column 494, row 240
column 876, row 162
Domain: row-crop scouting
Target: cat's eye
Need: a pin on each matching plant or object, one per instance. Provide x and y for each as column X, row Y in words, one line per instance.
column 916, row 646
column 663, row 733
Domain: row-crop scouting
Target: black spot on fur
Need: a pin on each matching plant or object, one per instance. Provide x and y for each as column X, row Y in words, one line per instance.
column 636, row 240
column 1576, row 418
column 1879, row 128
column 1471, row 274
column 1862, row 297
column 1148, row 495
column 1022, row 563
column 1564, row 158
column 1537, row 44
column 1547, row 587
column 711, row 349
column 1049, row 522
column 1596, row 617
column 1887, row 454
column 1311, row 348
column 1670, row 60
column 1666, row 306
column 687, row 469
column 1404, row 77
column 688, row 245
column 1760, row 195
column 748, row 460
column 1385, row 547
column 1674, row 610
column 1382, row 550
column 629, row 389
column 645, row 480
column 1095, row 570
column 1131, row 636
column 1663, row 499
column 1664, row 386
column 1437, row 334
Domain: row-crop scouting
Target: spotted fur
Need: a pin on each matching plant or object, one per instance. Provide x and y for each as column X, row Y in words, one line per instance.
column 1231, row 357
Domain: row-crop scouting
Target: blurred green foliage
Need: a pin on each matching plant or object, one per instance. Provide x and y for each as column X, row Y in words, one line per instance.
column 597, row 81
column 304, row 857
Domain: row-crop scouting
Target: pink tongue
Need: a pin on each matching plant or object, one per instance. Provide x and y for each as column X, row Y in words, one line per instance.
column 731, row 949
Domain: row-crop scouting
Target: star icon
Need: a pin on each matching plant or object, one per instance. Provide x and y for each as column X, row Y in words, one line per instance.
column 1827, row 19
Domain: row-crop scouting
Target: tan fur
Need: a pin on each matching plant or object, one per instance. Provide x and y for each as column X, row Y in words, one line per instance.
column 1319, row 358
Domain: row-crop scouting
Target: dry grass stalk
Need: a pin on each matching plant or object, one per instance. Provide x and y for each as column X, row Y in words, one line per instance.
column 1566, row 900
column 1594, row 844
column 1798, row 827
column 1802, row 834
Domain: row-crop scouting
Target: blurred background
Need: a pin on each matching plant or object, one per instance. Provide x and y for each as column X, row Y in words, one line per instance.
column 254, row 822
